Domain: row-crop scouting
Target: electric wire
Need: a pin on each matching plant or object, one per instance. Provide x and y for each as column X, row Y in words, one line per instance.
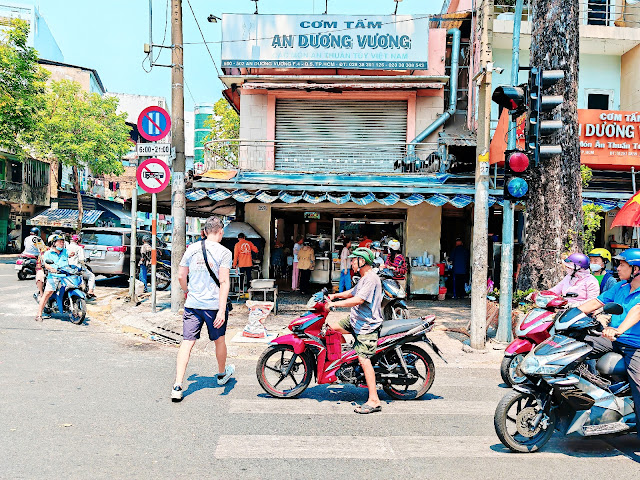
column 189, row 90
column 164, row 37
column 202, row 35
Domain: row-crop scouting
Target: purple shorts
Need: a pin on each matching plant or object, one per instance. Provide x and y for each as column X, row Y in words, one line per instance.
column 194, row 318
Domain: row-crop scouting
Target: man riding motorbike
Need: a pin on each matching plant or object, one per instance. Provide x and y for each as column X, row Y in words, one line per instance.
column 33, row 243
column 599, row 258
column 364, row 321
column 60, row 258
column 578, row 280
column 78, row 259
column 623, row 334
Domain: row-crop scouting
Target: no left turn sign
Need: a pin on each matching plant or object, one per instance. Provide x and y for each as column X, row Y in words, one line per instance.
column 153, row 175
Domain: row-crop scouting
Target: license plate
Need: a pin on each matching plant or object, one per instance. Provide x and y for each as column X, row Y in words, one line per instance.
column 18, row 267
column 97, row 254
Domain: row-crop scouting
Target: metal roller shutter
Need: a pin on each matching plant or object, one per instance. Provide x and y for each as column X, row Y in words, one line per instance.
column 340, row 135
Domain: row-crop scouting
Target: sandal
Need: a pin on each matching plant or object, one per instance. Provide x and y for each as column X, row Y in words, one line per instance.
column 38, row 318
column 366, row 408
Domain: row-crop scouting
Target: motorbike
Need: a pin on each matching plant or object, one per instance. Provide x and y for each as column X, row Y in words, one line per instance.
column 562, row 393
column 26, row 266
column 533, row 329
column 69, row 297
column 394, row 304
column 405, row 370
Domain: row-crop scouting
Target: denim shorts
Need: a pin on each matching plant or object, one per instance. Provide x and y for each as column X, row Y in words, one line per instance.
column 193, row 320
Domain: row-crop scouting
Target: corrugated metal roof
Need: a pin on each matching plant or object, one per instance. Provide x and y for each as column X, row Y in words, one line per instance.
column 60, row 217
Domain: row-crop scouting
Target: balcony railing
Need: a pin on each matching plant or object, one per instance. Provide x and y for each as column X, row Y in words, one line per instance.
column 323, row 156
column 6, row 186
column 611, row 13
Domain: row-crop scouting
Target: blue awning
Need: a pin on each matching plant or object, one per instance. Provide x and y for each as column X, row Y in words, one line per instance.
column 67, row 218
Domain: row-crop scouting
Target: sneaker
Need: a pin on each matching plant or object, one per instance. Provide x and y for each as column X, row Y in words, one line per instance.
column 228, row 373
column 176, row 393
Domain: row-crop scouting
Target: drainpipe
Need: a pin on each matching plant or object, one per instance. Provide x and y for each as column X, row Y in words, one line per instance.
column 453, row 97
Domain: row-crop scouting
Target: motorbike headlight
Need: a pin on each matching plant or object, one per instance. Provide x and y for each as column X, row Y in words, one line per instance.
column 529, row 365
column 536, row 365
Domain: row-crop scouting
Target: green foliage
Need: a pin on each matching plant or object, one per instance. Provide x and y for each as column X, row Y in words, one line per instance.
column 22, row 84
column 518, row 300
column 225, row 125
column 82, row 129
column 592, row 220
column 586, row 174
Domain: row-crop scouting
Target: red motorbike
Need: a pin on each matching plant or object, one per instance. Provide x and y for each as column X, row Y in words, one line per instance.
column 531, row 330
column 405, row 370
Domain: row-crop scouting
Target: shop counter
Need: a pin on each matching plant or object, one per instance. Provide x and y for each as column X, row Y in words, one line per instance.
column 424, row 280
column 322, row 271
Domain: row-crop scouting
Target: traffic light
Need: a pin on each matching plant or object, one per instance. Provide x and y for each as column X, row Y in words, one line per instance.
column 513, row 99
column 516, row 175
column 539, row 103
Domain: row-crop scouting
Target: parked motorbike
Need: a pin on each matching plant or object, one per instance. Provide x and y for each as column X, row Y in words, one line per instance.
column 562, row 393
column 532, row 330
column 26, row 266
column 163, row 274
column 405, row 371
column 394, row 304
column 69, row 296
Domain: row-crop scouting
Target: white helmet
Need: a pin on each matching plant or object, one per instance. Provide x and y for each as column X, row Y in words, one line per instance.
column 394, row 244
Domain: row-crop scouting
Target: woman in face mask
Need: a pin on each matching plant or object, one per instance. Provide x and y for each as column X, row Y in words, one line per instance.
column 599, row 258
column 578, row 280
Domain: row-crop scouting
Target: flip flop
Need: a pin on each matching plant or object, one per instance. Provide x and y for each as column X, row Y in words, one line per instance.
column 366, row 408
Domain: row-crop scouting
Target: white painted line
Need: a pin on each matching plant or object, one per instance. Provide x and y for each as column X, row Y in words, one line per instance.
column 310, row 406
column 401, row 447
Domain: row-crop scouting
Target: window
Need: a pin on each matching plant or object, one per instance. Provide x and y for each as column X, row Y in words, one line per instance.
column 597, row 12
column 599, row 99
column 106, row 239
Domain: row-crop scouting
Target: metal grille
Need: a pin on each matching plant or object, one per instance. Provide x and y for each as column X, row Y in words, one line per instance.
column 311, row 135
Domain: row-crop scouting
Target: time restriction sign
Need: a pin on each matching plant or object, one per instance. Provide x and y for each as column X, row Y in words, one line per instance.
column 153, row 175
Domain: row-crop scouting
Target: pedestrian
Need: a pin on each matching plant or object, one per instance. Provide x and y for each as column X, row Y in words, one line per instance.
column 78, row 259
column 243, row 259
column 306, row 264
column 397, row 263
column 345, row 266
column 58, row 257
column 460, row 258
column 364, row 321
column 145, row 260
column 295, row 275
column 204, row 277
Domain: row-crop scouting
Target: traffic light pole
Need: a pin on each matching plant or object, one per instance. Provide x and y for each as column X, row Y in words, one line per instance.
column 508, row 208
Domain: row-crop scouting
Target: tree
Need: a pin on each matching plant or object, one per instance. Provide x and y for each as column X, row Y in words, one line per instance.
column 554, row 208
column 82, row 129
column 22, row 85
column 224, row 125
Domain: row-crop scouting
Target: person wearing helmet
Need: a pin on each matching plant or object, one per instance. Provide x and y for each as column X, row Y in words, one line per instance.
column 578, row 280
column 376, row 248
column 77, row 258
column 59, row 257
column 364, row 321
column 397, row 263
column 623, row 333
column 33, row 243
column 599, row 258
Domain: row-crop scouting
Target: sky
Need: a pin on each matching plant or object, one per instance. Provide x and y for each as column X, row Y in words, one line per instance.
column 109, row 37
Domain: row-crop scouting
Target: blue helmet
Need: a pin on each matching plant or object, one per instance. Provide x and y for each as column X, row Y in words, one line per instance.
column 630, row 255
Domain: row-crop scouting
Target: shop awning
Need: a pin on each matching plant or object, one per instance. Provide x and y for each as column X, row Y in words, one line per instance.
column 59, row 217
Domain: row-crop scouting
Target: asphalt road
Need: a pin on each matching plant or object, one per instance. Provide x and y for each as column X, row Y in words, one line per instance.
column 86, row 402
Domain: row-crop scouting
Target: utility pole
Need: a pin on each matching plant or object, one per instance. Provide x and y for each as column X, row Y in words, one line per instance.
column 478, row 330
column 178, row 201
column 508, row 209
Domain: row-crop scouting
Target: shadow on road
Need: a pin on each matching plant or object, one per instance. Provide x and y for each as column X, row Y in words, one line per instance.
column 198, row 382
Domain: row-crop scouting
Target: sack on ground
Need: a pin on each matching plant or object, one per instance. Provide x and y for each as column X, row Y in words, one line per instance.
column 258, row 312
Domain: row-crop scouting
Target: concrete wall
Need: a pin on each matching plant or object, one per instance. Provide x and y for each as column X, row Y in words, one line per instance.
column 261, row 222
column 253, row 126
column 423, row 230
column 427, row 111
column 629, row 86
column 58, row 72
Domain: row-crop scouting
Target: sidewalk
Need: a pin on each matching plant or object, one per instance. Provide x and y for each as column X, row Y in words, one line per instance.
column 113, row 308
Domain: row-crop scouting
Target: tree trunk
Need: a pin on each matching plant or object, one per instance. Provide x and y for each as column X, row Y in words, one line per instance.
column 554, row 208
column 76, row 184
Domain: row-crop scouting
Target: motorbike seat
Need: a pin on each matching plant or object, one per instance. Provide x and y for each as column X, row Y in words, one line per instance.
column 391, row 327
column 611, row 364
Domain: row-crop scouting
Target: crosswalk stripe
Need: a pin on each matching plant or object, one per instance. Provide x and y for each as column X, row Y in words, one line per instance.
column 401, row 447
column 310, row 406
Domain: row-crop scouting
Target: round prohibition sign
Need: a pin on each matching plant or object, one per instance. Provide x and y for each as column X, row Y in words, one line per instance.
column 153, row 175
column 154, row 123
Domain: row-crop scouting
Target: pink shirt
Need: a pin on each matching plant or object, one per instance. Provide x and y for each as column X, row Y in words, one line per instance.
column 583, row 283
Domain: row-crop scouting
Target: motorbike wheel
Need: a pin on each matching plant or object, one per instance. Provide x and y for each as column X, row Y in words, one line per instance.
column 512, row 421
column 78, row 310
column 272, row 367
column 163, row 280
column 424, row 368
column 22, row 275
column 508, row 369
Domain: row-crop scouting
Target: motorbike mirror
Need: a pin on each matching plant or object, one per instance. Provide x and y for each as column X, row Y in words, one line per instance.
column 49, row 262
column 613, row 308
column 571, row 295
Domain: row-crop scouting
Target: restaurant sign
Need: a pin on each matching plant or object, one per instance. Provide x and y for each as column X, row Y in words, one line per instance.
column 608, row 138
column 393, row 42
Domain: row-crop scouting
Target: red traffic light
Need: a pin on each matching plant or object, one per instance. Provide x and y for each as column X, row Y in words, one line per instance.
column 518, row 161
column 513, row 99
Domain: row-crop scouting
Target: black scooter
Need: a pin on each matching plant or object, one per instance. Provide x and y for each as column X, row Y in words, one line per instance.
column 394, row 304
